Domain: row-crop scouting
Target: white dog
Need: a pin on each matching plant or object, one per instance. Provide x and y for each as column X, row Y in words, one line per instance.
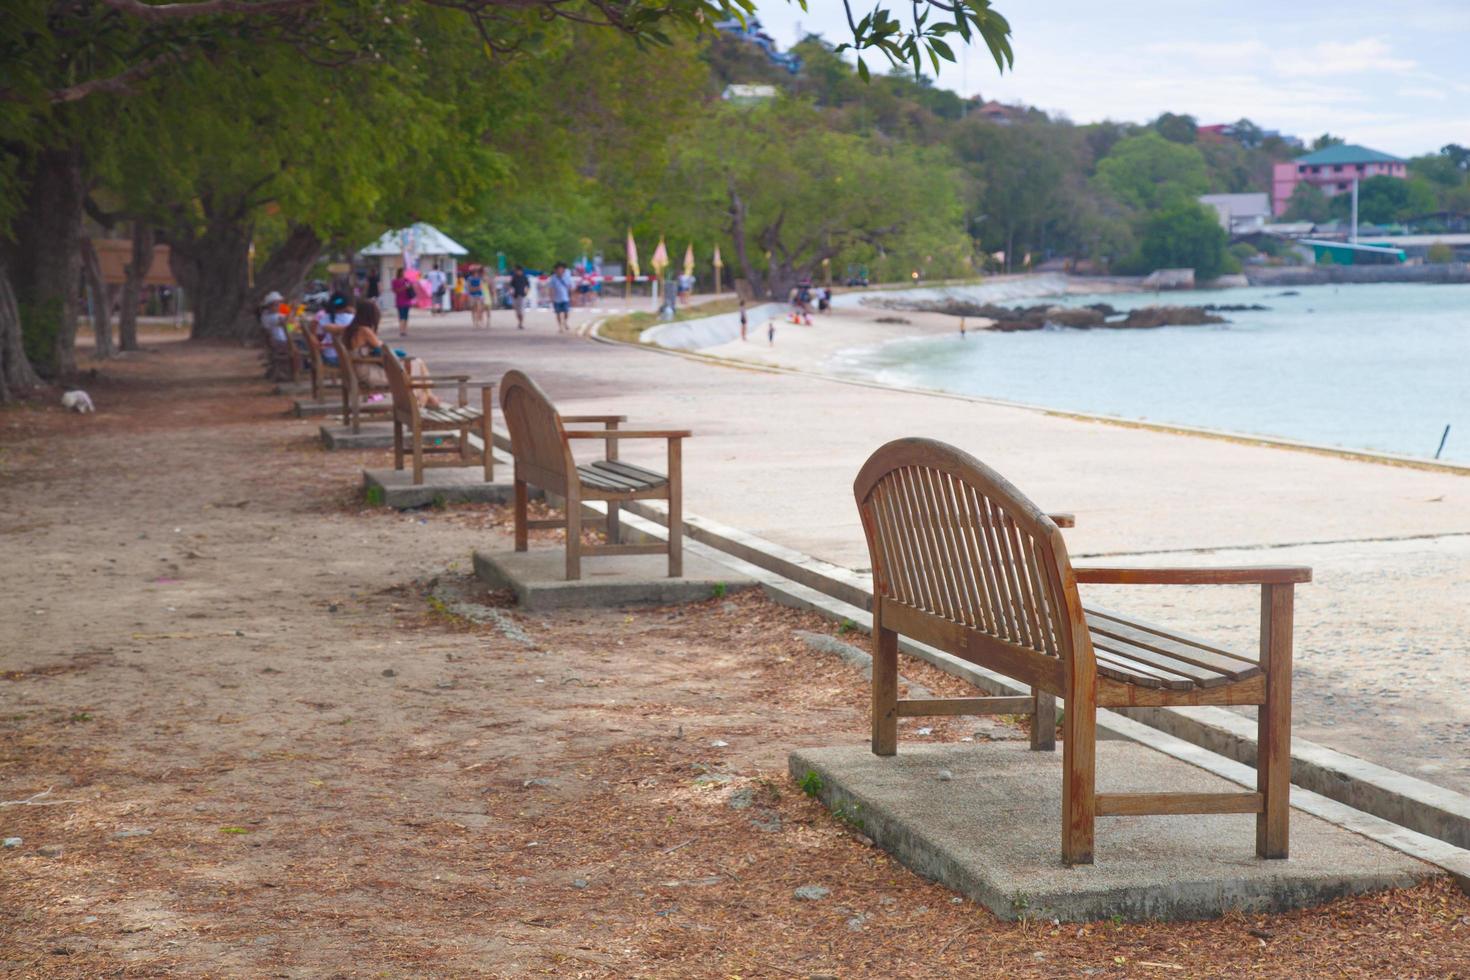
column 78, row 401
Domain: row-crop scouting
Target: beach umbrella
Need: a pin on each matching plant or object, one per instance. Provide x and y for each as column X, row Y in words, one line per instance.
column 689, row 260
column 660, row 260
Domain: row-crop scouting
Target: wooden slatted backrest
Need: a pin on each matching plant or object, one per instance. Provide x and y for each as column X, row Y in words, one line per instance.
column 952, row 538
column 537, row 437
column 344, row 360
column 313, row 345
column 405, row 406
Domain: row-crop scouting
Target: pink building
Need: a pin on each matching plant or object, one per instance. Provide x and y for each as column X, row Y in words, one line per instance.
column 1333, row 170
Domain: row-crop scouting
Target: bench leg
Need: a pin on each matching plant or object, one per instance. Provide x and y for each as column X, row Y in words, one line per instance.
column 1079, row 775
column 676, row 508
column 397, row 445
column 885, row 690
column 1044, row 721
column 614, row 526
column 574, row 539
column 520, row 513
column 418, row 453
column 486, row 436
column 1273, row 725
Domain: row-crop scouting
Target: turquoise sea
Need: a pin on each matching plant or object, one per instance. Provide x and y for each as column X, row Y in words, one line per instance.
column 1382, row 366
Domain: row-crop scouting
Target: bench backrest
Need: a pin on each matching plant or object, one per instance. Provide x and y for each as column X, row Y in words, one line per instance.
column 951, row 538
column 537, row 437
column 405, row 406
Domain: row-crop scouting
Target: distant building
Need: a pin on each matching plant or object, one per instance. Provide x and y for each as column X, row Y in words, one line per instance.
column 1228, row 132
column 1240, row 214
column 1332, row 170
column 752, row 32
column 748, row 94
column 1000, row 114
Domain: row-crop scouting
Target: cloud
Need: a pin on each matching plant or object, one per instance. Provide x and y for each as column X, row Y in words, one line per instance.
column 1340, row 58
column 1422, row 92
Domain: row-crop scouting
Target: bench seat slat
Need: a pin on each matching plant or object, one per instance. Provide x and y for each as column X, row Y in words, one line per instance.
column 1133, row 672
column 1159, row 661
column 1182, row 642
column 649, row 477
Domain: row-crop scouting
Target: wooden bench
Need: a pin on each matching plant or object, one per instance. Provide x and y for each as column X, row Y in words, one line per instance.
column 542, row 447
column 323, row 372
column 354, row 388
column 455, row 421
column 965, row 563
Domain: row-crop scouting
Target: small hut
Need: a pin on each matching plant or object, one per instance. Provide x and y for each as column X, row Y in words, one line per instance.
column 421, row 247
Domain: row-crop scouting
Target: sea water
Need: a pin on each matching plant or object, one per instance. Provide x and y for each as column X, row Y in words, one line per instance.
column 1380, row 367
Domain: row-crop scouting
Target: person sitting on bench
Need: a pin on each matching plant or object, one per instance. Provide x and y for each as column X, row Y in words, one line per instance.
column 360, row 339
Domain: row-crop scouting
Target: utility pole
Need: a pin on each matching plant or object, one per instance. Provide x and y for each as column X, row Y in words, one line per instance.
column 1354, row 238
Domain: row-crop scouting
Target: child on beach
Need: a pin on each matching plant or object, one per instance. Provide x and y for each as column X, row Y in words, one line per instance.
column 771, row 333
column 742, row 319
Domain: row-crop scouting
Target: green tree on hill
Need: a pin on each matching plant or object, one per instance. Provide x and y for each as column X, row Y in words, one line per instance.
column 1147, row 172
column 1307, row 203
column 1177, row 128
column 1185, row 235
column 1383, row 200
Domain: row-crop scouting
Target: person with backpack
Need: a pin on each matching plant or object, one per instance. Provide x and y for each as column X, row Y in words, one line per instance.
column 403, row 297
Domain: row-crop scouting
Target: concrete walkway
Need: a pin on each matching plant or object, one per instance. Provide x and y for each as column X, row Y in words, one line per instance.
column 1382, row 650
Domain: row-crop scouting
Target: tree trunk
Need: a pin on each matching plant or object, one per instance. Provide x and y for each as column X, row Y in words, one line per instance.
column 139, row 264
column 288, row 265
column 98, row 300
column 16, row 373
column 47, row 261
column 742, row 256
column 212, row 269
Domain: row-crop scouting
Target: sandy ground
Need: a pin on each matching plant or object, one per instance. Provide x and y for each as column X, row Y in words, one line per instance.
column 239, row 736
column 809, row 348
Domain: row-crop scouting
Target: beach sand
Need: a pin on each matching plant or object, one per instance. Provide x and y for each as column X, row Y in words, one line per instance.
column 843, row 328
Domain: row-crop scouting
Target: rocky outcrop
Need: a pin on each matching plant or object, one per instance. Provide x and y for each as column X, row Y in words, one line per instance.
column 1096, row 316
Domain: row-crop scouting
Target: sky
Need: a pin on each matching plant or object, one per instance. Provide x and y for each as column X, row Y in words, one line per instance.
column 1388, row 74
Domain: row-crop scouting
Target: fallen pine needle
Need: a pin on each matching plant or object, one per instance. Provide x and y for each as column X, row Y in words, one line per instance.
column 1161, row 966
column 35, row 800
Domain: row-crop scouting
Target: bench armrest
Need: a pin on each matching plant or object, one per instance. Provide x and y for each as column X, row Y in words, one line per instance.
column 448, row 379
column 1233, row 575
column 629, row 434
column 606, row 419
column 1063, row 519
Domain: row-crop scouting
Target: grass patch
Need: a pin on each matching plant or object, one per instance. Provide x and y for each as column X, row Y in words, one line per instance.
column 628, row 326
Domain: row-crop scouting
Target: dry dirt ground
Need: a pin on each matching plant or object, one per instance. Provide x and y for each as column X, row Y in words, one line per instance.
column 240, row 736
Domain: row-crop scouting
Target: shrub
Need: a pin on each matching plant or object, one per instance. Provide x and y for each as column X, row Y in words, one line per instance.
column 1439, row 254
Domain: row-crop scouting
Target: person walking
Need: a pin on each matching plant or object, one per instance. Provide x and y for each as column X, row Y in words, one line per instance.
column 742, row 319
column 561, row 296
column 403, row 295
column 474, row 288
column 374, row 285
column 437, row 282
column 520, row 285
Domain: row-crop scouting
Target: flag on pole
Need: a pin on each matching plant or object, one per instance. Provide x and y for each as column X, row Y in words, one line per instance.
column 718, row 262
column 660, row 260
column 633, row 271
column 689, row 260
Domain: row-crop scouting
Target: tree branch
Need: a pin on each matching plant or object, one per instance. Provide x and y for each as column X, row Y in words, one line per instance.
column 162, row 12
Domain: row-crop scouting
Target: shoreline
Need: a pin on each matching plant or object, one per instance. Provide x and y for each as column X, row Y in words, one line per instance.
column 810, row 350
